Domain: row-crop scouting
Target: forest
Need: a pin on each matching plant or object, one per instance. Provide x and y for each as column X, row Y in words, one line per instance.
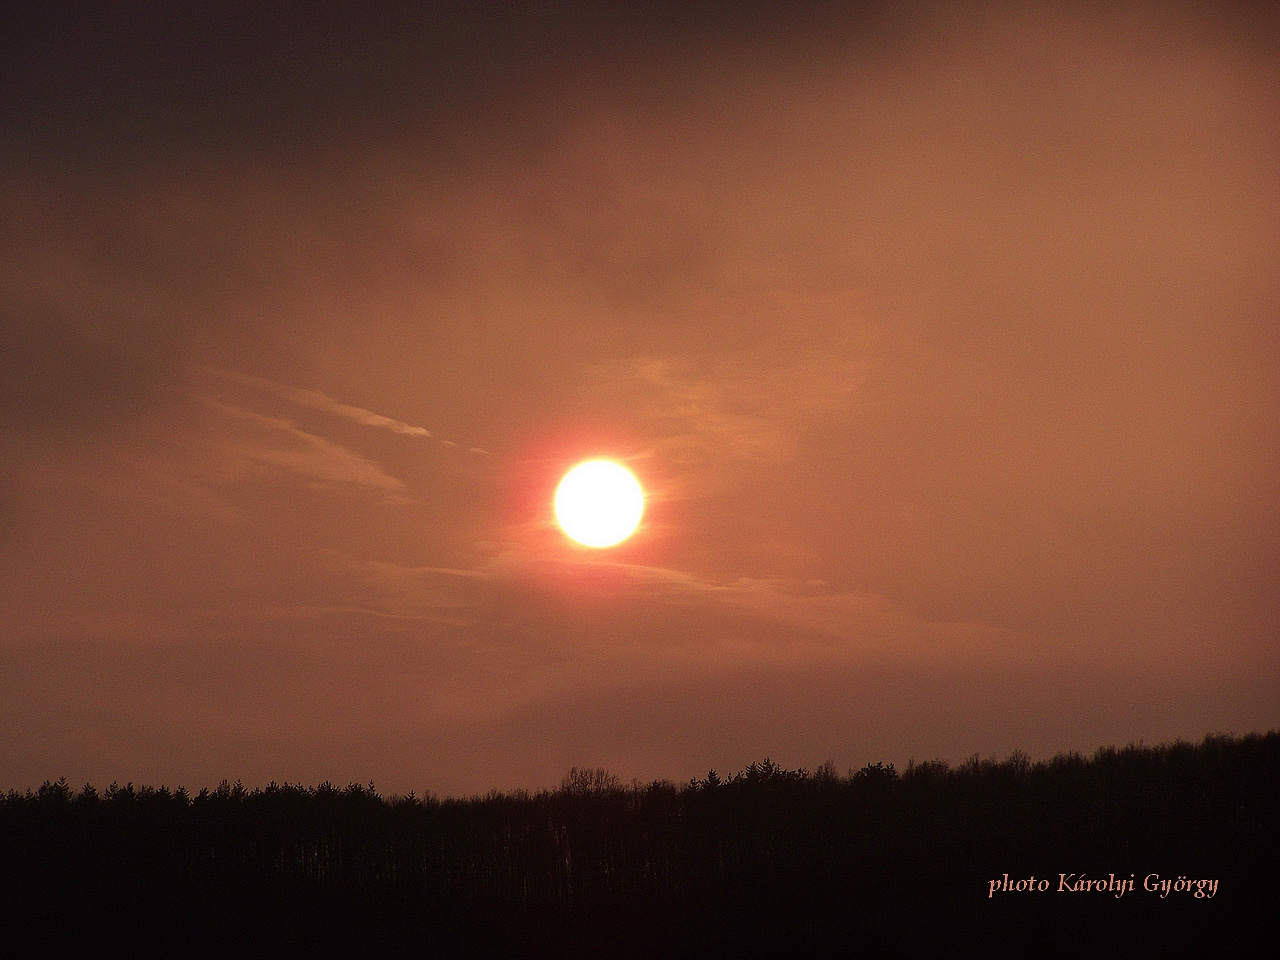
column 997, row 858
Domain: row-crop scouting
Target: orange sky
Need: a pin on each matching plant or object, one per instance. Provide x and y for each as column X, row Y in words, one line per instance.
column 945, row 339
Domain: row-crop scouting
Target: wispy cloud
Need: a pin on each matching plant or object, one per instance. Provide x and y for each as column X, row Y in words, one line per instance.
column 746, row 407
column 395, row 573
column 315, row 400
column 809, row 617
column 321, row 461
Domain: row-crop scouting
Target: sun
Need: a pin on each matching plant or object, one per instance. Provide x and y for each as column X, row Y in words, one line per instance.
column 599, row 503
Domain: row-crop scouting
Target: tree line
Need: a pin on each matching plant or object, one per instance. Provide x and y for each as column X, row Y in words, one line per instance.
column 787, row 861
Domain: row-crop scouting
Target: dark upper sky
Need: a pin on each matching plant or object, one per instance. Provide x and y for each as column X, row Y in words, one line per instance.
column 945, row 339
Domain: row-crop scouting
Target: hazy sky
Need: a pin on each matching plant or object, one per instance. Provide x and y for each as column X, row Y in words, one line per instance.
column 945, row 340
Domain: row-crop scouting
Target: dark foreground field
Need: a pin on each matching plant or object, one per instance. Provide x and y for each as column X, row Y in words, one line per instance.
column 769, row 862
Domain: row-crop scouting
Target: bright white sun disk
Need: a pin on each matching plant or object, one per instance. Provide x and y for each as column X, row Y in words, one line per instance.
column 599, row 503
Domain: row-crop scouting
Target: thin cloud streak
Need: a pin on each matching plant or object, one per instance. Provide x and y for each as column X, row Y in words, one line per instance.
column 319, row 459
column 315, row 400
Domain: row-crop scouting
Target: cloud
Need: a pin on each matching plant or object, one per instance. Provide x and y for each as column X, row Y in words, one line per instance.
column 322, row 462
column 753, row 618
column 748, row 406
column 315, row 400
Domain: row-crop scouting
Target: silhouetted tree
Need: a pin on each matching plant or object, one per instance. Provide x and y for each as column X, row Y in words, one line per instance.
column 767, row 859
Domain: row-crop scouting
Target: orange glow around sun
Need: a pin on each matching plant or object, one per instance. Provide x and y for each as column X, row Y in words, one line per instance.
column 599, row 503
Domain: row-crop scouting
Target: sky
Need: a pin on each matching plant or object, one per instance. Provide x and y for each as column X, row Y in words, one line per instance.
column 943, row 338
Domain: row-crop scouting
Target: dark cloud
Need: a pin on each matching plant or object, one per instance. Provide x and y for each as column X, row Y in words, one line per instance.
column 99, row 83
